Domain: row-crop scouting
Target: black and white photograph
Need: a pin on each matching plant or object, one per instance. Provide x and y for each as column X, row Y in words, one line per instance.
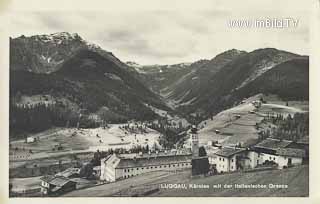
column 162, row 102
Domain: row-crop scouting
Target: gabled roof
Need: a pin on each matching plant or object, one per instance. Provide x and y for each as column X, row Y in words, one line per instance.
column 56, row 180
column 47, row 178
column 120, row 161
column 69, row 172
column 229, row 151
column 273, row 144
column 112, row 161
column 60, row 181
column 291, row 152
column 153, row 161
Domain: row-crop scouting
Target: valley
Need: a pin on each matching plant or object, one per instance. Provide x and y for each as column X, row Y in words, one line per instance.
column 72, row 104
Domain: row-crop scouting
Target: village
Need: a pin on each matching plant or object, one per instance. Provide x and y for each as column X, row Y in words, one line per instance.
column 104, row 165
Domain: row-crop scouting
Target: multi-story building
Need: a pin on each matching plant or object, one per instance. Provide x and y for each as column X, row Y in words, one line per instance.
column 231, row 159
column 122, row 166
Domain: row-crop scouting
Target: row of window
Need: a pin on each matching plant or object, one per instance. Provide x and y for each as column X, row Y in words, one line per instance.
column 220, row 159
column 161, row 166
column 221, row 165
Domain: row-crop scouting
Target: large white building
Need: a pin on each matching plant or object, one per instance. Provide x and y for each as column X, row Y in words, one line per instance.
column 122, row 166
column 231, row 159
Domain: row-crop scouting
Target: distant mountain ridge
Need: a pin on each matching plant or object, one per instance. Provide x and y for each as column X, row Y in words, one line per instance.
column 45, row 53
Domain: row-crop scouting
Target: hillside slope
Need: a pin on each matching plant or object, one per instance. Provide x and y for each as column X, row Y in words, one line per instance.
column 92, row 82
column 249, row 75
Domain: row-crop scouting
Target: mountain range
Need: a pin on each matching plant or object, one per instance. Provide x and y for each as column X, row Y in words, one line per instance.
column 81, row 75
column 65, row 66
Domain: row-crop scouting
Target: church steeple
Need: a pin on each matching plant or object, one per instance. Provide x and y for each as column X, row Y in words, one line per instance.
column 194, row 141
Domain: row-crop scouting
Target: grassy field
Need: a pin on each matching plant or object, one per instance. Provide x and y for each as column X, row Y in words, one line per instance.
column 238, row 125
column 73, row 140
column 297, row 179
column 119, row 186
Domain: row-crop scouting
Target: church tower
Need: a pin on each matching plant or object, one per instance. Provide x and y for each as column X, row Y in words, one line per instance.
column 194, row 141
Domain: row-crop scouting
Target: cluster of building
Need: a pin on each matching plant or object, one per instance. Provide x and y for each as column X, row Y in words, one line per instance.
column 269, row 152
column 280, row 153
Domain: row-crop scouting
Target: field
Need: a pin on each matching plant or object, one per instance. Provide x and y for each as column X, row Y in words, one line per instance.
column 62, row 141
column 297, row 179
column 117, row 187
column 21, row 184
column 238, row 124
column 69, row 146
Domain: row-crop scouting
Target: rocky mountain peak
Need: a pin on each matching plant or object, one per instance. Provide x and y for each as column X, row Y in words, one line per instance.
column 45, row 53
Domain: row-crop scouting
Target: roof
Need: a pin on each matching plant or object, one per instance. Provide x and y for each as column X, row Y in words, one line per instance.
column 229, row 151
column 292, row 152
column 56, row 180
column 119, row 161
column 69, row 172
column 47, row 178
column 211, row 150
column 153, row 161
column 273, row 144
column 112, row 161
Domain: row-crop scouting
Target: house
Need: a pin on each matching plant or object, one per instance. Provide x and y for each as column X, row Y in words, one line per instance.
column 303, row 144
column 56, row 185
column 257, row 103
column 211, row 150
column 31, row 139
column 122, row 166
column 290, row 157
column 231, row 159
column 280, row 152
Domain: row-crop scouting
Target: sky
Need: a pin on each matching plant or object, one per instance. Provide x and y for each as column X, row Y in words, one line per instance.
column 168, row 36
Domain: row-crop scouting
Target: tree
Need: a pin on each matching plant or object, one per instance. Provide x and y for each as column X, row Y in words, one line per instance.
column 86, row 170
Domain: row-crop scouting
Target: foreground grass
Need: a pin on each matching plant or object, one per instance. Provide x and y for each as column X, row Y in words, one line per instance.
column 297, row 179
